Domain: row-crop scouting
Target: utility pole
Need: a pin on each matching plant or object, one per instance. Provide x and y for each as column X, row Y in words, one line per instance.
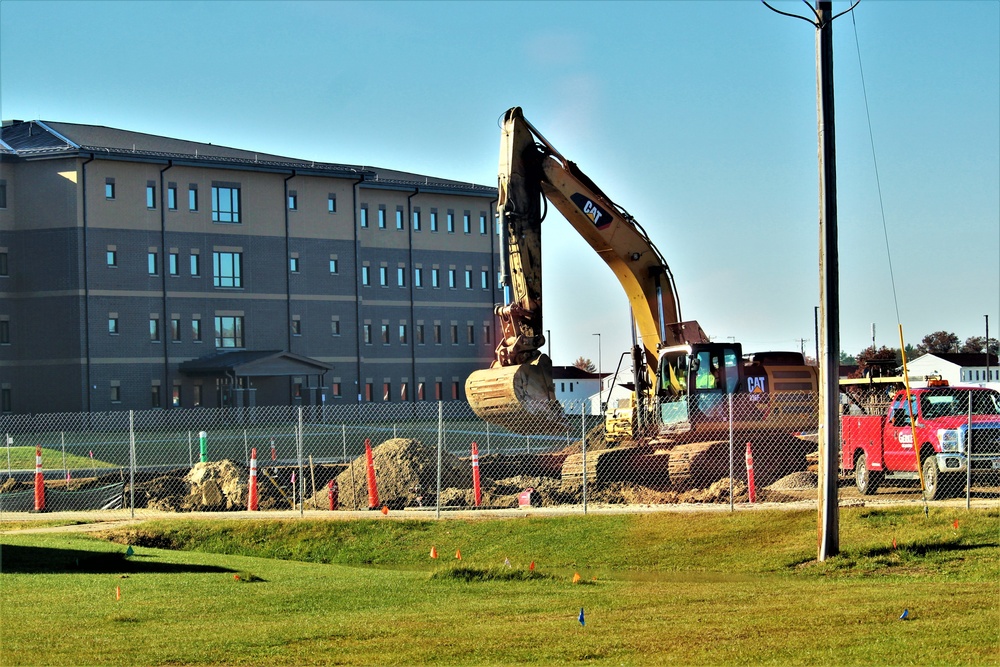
column 828, row 520
column 987, row 347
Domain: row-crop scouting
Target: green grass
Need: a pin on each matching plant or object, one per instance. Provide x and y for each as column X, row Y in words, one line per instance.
column 665, row 588
column 23, row 458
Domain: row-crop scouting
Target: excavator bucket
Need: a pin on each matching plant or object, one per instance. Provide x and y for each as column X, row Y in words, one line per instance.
column 519, row 398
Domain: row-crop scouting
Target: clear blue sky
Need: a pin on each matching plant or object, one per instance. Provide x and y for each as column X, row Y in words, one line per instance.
column 697, row 117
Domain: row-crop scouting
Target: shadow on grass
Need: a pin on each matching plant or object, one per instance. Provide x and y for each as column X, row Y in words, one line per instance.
column 919, row 549
column 17, row 559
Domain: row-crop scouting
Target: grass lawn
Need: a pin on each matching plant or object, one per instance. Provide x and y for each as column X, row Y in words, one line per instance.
column 665, row 588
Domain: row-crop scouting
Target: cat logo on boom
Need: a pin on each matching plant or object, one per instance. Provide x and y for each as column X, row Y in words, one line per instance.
column 598, row 215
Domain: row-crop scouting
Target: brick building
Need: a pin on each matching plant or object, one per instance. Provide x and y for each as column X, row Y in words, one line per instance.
column 143, row 271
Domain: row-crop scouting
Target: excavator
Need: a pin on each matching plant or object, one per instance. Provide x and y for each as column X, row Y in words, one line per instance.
column 679, row 408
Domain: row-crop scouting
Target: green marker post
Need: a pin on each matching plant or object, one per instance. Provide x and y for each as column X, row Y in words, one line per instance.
column 203, row 444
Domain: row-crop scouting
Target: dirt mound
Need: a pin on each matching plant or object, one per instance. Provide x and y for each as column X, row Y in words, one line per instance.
column 405, row 476
column 797, row 481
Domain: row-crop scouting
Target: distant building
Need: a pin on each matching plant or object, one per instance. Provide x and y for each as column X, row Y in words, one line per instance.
column 576, row 387
column 956, row 368
column 142, row 271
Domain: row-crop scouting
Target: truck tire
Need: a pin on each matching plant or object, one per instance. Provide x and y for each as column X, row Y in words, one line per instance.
column 866, row 480
column 937, row 484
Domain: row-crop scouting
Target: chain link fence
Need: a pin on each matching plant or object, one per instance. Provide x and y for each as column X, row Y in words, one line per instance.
column 436, row 456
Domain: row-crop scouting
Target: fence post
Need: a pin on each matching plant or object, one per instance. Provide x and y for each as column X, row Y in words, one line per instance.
column 302, row 480
column 246, row 448
column 583, row 441
column 437, row 513
column 968, row 459
column 731, row 502
column 190, row 452
column 62, row 440
column 131, row 468
column 354, row 486
column 9, row 440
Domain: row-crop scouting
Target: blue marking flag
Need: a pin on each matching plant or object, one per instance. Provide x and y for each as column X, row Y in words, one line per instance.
column 582, row 622
column 906, row 615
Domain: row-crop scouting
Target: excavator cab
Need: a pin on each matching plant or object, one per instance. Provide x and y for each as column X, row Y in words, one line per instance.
column 693, row 381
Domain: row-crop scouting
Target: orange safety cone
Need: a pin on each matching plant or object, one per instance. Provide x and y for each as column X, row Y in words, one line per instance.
column 252, row 496
column 434, row 552
column 751, row 488
column 39, row 481
column 476, row 488
column 372, row 486
column 458, row 555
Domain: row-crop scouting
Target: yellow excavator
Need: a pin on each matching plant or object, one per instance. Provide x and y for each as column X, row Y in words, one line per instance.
column 681, row 378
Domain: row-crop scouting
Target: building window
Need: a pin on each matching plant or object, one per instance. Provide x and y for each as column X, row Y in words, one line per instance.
column 416, row 219
column 335, row 390
column 175, row 329
column 154, row 396
column 151, row 263
column 3, row 194
column 369, row 391
column 154, row 330
column 451, row 221
column 296, row 327
column 172, row 197
column 335, row 326
column 229, row 331
column 3, row 262
column 196, row 398
column 364, row 215
column 484, row 279
column 195, row 264
column 454, row 334
column 402, row 334
column 113, row 326
column 4, row 332
column 116, row 393
column 196, row 330
column 385, row 334
column 150, row 195
column 331, row 203
column 386, row 391
column 399, row 217
column 175, row 397
column 466, row 222
column 486, row 333
column 225, row 204
column 418, row 277
column 438, row 390
column 401, row 276
column 293, row 200
column 112, row 258
column 420, row 391
column 482, row 223
column 434, row 220
column 174, row 263
column 468, row 279
column 334, row 265
column 455, row 391
column 193, row 197
column 437, row 334
column 366, row 275
column 420, row 334
column 367, row 329
column 109, row 188
column 227, row 269
column 451, row 278
column 381, row 217
column 472, row 334
column 293, row 264
column 435, row 278
column 383, row 276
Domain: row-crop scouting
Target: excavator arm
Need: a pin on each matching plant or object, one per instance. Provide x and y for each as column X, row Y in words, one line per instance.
column 517, row 391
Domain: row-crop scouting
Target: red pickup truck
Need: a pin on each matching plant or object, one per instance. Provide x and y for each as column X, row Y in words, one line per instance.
column 952, row 426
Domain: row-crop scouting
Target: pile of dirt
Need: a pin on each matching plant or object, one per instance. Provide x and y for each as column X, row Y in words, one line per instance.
column 797, row 481
column 207, row 487
column 11, row 485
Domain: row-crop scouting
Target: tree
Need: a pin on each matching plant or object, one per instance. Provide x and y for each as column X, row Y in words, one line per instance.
column 880, row 362
column 977, row 345
column 939, row 342
column 585, row 365
column 847, row 359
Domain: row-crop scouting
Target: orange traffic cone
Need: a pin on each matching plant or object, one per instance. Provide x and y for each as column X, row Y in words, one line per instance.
column 252, row 498
column 434, row 552
column 458, row 555
column 39, row 481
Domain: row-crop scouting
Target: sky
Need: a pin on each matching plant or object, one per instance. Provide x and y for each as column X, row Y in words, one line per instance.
column 699, row 118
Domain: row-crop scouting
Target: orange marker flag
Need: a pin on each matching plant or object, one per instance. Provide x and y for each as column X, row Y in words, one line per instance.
column 118, row 592
column 576, row 577
column 458, row 555
column 532, row 566
column 434, row 552
column 385, row 510
column 894, row 543
column 955, row 525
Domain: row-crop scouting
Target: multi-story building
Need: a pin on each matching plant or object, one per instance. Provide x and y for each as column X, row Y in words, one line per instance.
column 143, row 271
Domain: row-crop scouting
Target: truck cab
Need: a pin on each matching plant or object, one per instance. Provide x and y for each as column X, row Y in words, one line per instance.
column 949, row 432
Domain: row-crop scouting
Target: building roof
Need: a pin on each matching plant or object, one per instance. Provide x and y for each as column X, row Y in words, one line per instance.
column 254, row 363
column 41, row 139
column 574, row 373
column 963, row 359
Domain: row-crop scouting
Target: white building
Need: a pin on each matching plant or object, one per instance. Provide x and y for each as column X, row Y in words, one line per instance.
column 957, row 368
column 575, row 387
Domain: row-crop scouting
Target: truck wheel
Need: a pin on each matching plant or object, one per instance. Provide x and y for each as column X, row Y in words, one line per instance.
column 937, row 484
column 866, row 480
